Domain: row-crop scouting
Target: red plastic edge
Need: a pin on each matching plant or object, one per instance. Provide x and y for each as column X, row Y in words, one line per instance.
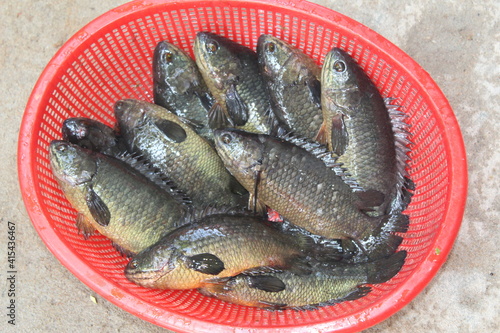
column 393, row 303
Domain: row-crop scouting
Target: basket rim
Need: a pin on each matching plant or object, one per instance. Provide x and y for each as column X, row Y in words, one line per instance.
column 393, row 302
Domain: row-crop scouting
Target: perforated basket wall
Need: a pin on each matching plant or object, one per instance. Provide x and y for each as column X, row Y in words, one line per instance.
column 110, row 59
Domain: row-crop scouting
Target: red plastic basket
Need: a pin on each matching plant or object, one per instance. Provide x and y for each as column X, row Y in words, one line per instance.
column 110, row 59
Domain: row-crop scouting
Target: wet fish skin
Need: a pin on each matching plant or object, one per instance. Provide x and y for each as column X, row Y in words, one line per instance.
column 327, row 284
column 92, row 134
column 293, row 79
column 232, row 74
column 358, row 128
column 113, row 198
column 173, row 147
column 294, row 182
column 299, row 180
column 179, row 86
column 214, row 247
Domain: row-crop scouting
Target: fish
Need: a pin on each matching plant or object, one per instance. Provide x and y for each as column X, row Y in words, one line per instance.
column 232, row 74
column 177, row 151
column 178, row 86
column 293, row 80
column 358, row 128
column 327, row 284
column 216, row 246
column 113, row 198
column 94, row 135
column 299, row 179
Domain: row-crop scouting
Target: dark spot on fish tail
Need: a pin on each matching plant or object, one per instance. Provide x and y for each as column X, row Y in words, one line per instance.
column 205, row 263
column 97, row 208
column 266, row 283
column 174, row 132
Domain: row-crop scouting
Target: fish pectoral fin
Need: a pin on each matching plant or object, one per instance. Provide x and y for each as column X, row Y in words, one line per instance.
column 267, row 283
column 205, row 263
column 217, row 118
column 205, row 99
column 315, row 90
column 174, row 132
column 339, row 135
column 236, row 107
column 236, row 187
column 194, row 124
column 97, row 208
column 84, row 226
column 324, row 136
column 254, row 205
column 271, row 305
column 123, row 251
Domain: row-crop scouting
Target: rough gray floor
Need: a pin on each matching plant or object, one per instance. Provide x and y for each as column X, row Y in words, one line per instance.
column 457, row 42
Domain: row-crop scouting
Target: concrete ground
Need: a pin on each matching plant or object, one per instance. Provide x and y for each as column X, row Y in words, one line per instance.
column 457, row 42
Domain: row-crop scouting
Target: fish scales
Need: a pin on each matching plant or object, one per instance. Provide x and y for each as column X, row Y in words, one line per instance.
column 212, row 247
column 178, row 152
column 231, row 71
column 295, row 183
column 293, row 81
column 325, row 285
column 114, row 199
column 359, row 130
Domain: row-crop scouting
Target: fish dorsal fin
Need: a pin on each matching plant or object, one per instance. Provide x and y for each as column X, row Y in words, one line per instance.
column 173, row 131
column 329, row 158
column 267, row 283
column 205, row 263
column 402, row 140
column 145, row 168
column 97, row 207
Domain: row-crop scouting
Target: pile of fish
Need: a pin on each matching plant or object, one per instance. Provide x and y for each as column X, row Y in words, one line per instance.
column 257, row 177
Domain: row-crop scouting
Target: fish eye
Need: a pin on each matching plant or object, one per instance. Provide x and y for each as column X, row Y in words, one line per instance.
column 133, row 264
column 212, row 47
column 271, row 47
column 339, row 66
column 169, row 57
column 61, row 148
column 226, row 138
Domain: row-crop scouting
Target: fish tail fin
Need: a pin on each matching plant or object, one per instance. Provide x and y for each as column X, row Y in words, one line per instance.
column 382, row 241
column 403, row 197
column 323, row 136
column 384, row 269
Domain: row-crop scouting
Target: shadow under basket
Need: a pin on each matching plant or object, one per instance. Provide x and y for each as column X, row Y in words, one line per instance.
column 110, row 59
